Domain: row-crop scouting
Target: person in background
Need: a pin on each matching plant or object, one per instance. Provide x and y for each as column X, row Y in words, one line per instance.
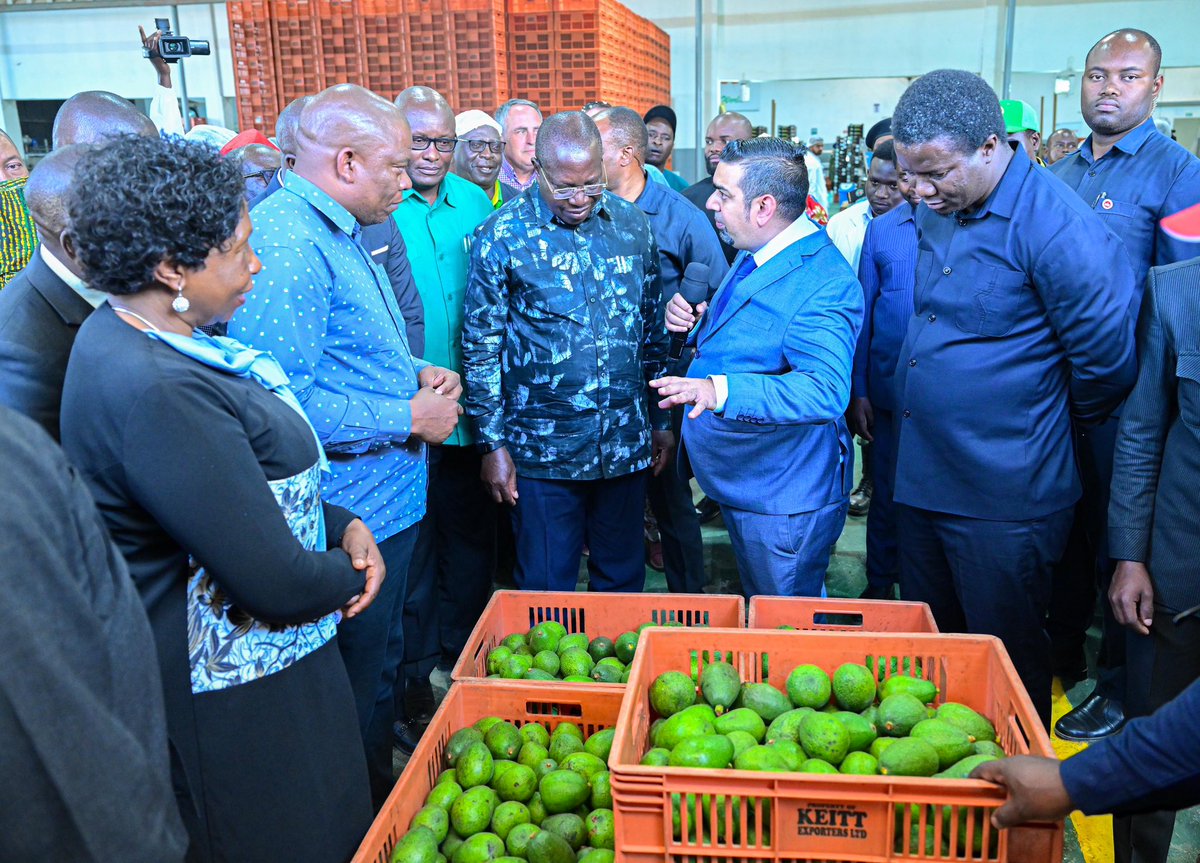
column 682, row 238
column 42, row 309
column 660, row 127
column 259, row 164
column 164, row 107
column 18, row 237
column 726, row 127
column 885, row 270
column 243, row 570
column 1004, row 352
column 77, row 663
column 1059, row 145
column 520, row 119
column 95, row 116
column 766, row 435
column 877, row 134
column 323, row 306
column 1021, row 123
column 450, row 577
column 816, row 171
column 477, row 154
column 1131, row 177
column 286, row 126
column 562, row 334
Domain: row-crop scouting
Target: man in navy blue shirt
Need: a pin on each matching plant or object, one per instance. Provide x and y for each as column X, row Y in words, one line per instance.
column 886, row 269
column 1023, row 322
column 1131, row 176
column 683, row 237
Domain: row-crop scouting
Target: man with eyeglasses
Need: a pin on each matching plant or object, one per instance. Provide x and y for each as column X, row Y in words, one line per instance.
column 478, row 154
column 562, row 334
column 450, row 576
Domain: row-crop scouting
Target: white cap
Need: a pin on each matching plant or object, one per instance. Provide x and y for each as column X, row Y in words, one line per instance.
column 468, row 121
column 214, row 136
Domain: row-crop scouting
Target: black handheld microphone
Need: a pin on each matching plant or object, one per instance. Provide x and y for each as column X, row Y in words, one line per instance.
column 694, row 289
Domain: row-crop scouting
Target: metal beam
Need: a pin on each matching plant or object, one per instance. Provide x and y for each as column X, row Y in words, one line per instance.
column 74, row 5
column 1010, row 22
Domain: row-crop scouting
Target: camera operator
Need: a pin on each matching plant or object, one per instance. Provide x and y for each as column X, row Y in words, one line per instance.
column 164, row 107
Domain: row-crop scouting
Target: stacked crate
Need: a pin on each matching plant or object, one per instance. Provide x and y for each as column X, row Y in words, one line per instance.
column 479, row 54
column 253, row 63
column 385, row 46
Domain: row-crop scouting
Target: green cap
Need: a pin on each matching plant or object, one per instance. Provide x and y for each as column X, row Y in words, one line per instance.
column 1019, row 116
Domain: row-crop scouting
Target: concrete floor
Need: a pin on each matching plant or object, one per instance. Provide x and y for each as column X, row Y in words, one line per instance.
column 1087, row 840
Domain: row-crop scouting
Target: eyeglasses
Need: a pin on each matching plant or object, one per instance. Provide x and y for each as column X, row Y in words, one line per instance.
column 593, row 190
column 477, row 147
column 443, row 145
column 263, row 177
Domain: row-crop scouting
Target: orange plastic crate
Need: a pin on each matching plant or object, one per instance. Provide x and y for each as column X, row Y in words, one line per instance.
column 847, row 615
column 607, row 614
column 819, row 817
column 465, row 704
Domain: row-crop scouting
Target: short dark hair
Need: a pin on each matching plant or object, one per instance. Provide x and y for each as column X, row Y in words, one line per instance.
column 948, row 104
column 566, row 131
column 1155, row 48
column 772, row 166
column 886, row 151
column 140, row 201
column 629, row 129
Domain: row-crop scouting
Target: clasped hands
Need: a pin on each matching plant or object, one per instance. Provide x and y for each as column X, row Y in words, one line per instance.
column 435, row 407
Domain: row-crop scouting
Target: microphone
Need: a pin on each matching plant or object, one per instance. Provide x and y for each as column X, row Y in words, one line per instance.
column 694, row 289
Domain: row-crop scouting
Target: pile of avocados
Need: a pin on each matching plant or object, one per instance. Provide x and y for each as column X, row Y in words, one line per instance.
column 513, row 794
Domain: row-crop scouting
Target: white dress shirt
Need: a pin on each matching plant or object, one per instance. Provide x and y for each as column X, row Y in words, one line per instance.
column 93, row 298
column 847, row 228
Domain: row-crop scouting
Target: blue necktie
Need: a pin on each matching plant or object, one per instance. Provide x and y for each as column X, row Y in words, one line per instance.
column 745, row 268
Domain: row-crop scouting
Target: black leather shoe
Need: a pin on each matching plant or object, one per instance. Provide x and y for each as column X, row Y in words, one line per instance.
column 860, row 498
column 708, row 510
column 419, row 703
column 1097, row 717
column 405, row 737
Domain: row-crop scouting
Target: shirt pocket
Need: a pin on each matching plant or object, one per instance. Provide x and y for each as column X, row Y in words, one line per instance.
column 992, row 309
column 1108, row 208
column 1187, row 373
column 921, row 277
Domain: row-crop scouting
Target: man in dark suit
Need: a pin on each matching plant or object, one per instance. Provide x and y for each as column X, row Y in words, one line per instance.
column 42, row 308
column 724, row 128
column 1024, row 317
column 771, row 379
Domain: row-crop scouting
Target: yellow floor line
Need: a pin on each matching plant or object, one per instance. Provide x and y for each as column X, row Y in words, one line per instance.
column 1095, row 833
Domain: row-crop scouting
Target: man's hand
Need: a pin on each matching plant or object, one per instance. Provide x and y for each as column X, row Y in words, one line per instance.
column 161, row 66
column 663, row 449
column 861, row 418
column 1132, row 596
column 499, row 474
column 687, row 391
column 434, row 415
column 443, row 381
column 679, row 315
column 359, row 544
column 1035, row 789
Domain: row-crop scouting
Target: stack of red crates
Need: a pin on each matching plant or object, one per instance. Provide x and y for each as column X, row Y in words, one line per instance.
column 476, row 53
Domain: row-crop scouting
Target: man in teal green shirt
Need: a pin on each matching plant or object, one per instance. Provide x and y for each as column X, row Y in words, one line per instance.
column 450, row 577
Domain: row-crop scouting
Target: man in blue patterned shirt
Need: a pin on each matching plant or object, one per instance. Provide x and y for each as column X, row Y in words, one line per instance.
column 562, row 333
column 328, row 314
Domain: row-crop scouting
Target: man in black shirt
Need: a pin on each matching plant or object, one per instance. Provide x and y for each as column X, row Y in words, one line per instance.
column 724, row 128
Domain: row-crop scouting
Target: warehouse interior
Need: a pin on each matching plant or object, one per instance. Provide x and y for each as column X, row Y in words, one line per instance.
column 798, row 69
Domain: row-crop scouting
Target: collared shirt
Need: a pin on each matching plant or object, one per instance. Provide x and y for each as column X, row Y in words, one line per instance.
column 327, row 313
column 847, row 228
column 72, row 281
column 675, row 180
column 794, row 232
column 1144, row 177
column 816, row 178
column 563, row 331
column 438, row 238
column 885, row 270
column 1022, row 320
column 509, row 177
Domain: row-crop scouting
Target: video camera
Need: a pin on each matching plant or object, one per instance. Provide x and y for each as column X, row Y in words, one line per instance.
column 174, row 48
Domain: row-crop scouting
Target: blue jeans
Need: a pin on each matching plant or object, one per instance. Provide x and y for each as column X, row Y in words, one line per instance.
column 372, row 646
column 554, row 518
column 784, row 555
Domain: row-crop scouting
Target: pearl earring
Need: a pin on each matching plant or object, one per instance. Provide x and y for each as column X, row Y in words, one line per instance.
column 180, row 304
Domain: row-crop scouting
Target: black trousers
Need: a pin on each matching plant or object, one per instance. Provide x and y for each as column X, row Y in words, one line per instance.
column 1160, row 666
column 1083, row 577
column 670, row 495
column 450, row 578
column 987, row 577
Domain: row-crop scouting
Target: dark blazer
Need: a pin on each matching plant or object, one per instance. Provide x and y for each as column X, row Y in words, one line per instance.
column 386, row 248
column 1156, row 466
column 39, row 317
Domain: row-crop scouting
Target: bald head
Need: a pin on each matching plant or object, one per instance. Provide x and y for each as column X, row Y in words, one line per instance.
column 355, row 146
column 628, row 130
column 730, row 126
column 287, row 124
column 1120, row 41
column 95, row 116
column 46, row 191
column 426, row 100
column 566, row 136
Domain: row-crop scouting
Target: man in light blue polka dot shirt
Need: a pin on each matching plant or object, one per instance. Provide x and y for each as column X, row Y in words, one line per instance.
column 328, row 314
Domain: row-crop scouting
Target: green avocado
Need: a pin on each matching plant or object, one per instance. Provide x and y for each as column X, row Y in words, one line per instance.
column 459, row 741
column 923, row 690
column 548, row 847
column 862, row 732
column 853, row 687
column 792, row 752
column 517, row 783
column 710, row 751
column 569, row 826
column 762, row 759
column 563, row 790
column 690, row 722
column 786, row 726
column 824, row 736
column 909, row 757
column 741, row 740
column 671, row 692
column 859, row 764
column 976, row 726
column 765, row 700
column 721, row 685
column 809, row 686
column 741, row 719
column 472, row 812
column 418, row 845
column 899, row 713
column 474, row 766
column 952, row 743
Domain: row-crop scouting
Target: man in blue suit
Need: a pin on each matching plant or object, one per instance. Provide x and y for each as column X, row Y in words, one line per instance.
column 1024, row 317
column 770, row 382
